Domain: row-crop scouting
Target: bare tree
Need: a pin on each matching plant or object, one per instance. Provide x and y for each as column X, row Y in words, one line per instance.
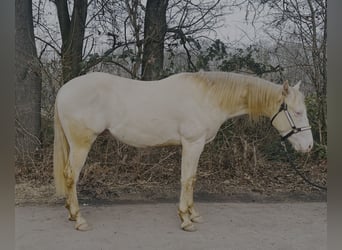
column 27, row 80
column 154, row 35
column 72, row 28
column 125, row 33
column 304, row 23
column 135, row 17
column 175, row 22
column 190, row 22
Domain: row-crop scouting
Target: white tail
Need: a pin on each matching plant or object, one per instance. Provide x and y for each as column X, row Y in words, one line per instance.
column 60, row 155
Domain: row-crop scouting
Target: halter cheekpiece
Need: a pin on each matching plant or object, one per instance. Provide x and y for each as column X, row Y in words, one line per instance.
column 294, row 129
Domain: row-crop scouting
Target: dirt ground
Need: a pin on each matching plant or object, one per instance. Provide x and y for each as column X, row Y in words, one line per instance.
column 236, row 226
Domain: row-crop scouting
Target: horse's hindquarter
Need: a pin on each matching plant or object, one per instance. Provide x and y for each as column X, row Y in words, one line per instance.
column 141, row 113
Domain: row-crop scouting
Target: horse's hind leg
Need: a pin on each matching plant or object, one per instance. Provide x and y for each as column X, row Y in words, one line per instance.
column 77, row 158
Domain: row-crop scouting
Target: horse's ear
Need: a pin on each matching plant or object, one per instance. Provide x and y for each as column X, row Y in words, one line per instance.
column 297, row 86
column 286, row 87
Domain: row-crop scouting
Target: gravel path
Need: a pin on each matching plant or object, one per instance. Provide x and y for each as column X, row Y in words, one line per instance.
column 233, row 226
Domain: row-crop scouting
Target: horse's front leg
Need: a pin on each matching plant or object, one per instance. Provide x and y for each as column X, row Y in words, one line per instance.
column 191, row 152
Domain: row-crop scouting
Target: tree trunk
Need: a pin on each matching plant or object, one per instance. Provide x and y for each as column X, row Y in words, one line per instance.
column 133, row 14
column 154, row 34
column 27, row 81
column 318, row 54
column 72, row 31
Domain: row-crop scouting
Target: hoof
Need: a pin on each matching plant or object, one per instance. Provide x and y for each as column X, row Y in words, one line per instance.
column 197, row 219
column 82, row 227
column 189, row 227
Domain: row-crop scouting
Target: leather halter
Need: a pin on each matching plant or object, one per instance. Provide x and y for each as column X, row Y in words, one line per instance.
column 294, row 129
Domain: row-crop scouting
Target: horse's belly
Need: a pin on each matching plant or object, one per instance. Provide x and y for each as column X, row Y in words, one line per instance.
column 143, row 141
column 146, row 136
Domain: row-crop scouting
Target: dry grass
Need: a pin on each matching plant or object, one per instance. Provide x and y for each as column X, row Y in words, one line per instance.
column 244, row 158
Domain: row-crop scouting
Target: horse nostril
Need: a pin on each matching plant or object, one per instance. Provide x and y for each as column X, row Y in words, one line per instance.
column 310, row 146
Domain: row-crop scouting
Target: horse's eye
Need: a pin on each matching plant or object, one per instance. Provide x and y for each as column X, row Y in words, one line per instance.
column 298, row 113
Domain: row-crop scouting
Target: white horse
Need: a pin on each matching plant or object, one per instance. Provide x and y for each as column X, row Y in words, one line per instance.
column 185, row 109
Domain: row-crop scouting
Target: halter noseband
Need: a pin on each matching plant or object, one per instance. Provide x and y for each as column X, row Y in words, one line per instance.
column 294, row 130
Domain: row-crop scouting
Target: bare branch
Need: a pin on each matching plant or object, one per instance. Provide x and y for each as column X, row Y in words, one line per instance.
column 57, row 50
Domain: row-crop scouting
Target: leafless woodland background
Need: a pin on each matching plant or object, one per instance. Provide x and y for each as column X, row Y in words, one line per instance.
column 60, row 39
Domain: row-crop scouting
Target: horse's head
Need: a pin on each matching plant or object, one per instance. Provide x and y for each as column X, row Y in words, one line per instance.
column 291, row 119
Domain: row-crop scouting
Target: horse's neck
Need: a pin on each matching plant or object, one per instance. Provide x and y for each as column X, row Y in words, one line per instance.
column 260, row 100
